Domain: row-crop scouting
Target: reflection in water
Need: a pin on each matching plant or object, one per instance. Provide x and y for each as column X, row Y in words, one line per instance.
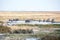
column 32, row 22
column 2, row 36
column 32, row 39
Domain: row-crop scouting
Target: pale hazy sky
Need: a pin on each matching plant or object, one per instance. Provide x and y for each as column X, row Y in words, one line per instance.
column 29, row 5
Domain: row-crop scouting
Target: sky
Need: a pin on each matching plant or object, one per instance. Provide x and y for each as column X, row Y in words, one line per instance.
column 29, row 5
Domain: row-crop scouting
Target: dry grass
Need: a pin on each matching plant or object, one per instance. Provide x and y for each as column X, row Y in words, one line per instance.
column 22, row 27
column 30, row 15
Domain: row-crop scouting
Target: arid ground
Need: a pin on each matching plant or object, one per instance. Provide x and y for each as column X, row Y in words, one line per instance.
column 30, row 15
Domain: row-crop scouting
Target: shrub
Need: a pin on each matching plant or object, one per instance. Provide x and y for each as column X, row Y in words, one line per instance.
column 4, row 29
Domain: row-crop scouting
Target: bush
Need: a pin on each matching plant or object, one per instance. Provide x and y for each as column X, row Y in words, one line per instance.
column 4, row 29
column 51, row 38
column 24, row 31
